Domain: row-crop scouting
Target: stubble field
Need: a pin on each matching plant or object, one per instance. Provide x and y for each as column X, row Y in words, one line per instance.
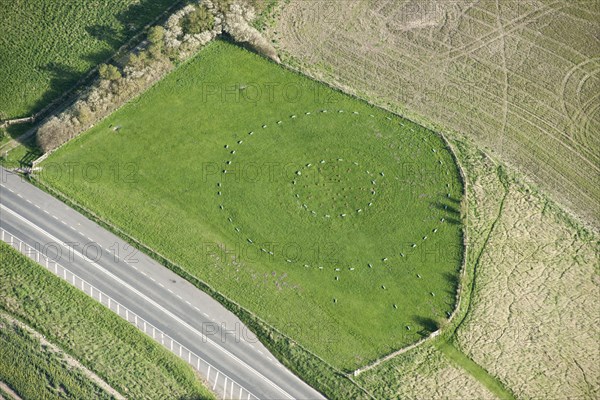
column 521, row 78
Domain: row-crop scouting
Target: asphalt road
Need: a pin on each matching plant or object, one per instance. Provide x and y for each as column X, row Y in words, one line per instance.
column 147, row 288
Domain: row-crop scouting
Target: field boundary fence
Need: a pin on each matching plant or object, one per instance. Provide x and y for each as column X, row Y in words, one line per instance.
column 216, row 380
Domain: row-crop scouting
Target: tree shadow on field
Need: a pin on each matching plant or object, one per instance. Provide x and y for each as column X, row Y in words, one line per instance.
column 453, row 200
column 107, row 34
column 451, row 210
column 61, row 76
column 143, row 12
column 64, row 81
column 429, row 325
column 453, row 280
column 29, row 157
column 14, row 131
column 453, row 221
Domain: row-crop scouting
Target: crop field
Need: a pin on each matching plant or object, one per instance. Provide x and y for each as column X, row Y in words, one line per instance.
column 334, row 221
column 47, row 45
column 129, row 362
column 35, row 372
column 520, row 78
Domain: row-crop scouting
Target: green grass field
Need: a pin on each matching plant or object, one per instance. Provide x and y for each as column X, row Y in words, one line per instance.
column 47, row 45
column 334, row 221
column 123, row 357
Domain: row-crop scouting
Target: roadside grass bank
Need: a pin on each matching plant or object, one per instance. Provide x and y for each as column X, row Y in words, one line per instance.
column 34, row 372
column 123, row 357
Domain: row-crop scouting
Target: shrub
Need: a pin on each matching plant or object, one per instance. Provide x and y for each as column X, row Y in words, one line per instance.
column 83, row 112
column 197, row 21
column 223, row 5
column 156, row 37
column 49, row 134
column 137, row 60
column 109, row 72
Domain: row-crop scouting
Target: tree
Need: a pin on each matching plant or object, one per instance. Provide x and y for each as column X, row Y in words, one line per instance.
column 223, row 5
column 137, row 60
column 109, row 72
column 197, row 21
column 156, row 34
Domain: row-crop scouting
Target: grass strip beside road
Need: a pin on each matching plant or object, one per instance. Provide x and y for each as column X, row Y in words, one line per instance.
column 126, row 359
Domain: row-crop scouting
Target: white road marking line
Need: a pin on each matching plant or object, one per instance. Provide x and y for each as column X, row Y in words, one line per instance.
column 205, row 314
column 64, row 223
column 161, row 285
column 188, row 303
column 158, row 306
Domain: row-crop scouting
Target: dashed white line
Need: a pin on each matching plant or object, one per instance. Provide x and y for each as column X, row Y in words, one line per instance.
column 205, row 314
